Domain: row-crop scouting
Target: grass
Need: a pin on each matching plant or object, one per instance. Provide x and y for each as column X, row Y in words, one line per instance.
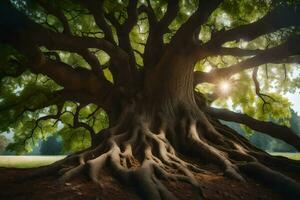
column 294, row 156
column 37, row 161
column 27, row 161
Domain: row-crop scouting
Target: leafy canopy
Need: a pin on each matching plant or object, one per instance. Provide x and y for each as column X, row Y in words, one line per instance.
column 26, row 97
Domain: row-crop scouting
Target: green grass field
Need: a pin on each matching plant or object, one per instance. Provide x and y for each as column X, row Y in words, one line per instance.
column 27, row 161
column 37, row 161
column 294, row 156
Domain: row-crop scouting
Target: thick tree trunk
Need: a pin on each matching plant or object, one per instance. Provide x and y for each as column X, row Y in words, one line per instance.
column 143, row 146
column 169, row 86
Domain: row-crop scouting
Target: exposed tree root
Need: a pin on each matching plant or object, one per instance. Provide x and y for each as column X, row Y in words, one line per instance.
column 142, row 158
column 275, row 180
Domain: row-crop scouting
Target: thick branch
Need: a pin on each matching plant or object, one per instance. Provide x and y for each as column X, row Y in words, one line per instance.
column 38, row 35
column 169, row 16
column 280, row 132
column 150, row 13
column 71, row 79
column 278, row 18
column 74, row 80
column 29, row 34
column 123, row 31
column 272, row 55
column 93, row 61
column 96, row 8
column 236, row 52
column 57, row 13
column 188, row 32
column 155, row 45
column 132, row 14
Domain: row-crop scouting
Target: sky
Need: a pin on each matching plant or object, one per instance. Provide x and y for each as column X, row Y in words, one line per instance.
column 295, row 97
column 295, row 100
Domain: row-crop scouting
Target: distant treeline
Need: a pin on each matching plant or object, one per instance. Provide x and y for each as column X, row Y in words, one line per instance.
column 51, row 146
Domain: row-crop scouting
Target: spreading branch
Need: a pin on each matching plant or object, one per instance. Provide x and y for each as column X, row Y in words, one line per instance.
column 123, row 31
column 96, row 9
column 155, row 46
column 150, row 13
column 77, row 123
column 272, row 55
column 279, row 132
column 223, row 51
column 41, row 36
column 44, row 118
column 278, row 18
column 51, row 9
column 188, row 32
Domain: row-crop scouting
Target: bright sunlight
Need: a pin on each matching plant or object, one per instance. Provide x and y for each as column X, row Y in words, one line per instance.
column 224, row 87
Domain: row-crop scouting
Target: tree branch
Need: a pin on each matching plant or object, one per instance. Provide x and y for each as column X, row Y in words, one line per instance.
column 57, row 13
column 272, row 55
column 80, row 82
column 169, row 16
column 223, row 51
column 150, row 13
column 280, row 132
column 154, row 46
column 96, row 8
column 47, row 117
column 188, row 32
column 30, row 34
column 75, row 80
column 94, row 63
column 278, row 18
column 78, row 124
column 123, row 31
column 257, row 90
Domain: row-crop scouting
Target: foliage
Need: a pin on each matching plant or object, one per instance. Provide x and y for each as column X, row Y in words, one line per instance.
column 3, row 142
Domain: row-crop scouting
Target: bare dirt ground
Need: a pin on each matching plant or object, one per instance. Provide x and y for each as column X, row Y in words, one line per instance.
column 215, row 187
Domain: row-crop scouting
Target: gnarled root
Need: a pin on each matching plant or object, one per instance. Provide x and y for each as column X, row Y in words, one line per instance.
column 142, row 158
column 275, row 180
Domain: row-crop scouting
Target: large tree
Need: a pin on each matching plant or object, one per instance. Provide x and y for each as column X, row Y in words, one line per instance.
column 146, row 64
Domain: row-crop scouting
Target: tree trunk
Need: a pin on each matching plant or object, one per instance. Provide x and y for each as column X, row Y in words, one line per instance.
column 169, row 86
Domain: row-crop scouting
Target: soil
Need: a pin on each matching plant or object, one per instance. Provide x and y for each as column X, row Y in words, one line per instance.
column 215, row 187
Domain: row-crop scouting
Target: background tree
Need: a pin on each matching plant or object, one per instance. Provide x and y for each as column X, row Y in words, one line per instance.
column 151, row 69
column 3, row 143
column 51, row 146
